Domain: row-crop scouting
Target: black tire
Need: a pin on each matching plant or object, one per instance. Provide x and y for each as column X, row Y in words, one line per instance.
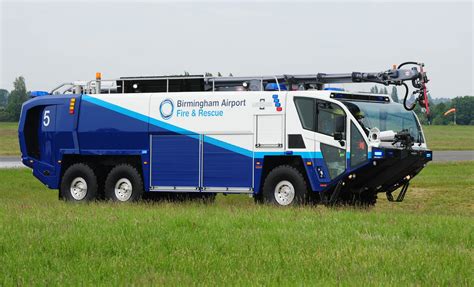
column 281, row 175
column 77, row 177
column 126, row 178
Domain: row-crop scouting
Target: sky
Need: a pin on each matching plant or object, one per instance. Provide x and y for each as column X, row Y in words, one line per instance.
column 54, row 42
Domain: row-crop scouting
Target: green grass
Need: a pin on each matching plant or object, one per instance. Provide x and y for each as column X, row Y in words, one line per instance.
column 426, row 240
column 9, row 139
column 449, row 137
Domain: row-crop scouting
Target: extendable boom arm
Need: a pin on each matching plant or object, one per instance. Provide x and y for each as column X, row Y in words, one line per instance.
column 395, row 76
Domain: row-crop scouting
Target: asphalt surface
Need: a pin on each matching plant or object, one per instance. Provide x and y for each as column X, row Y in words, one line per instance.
column 10, row 162
column 438, row 156
column 455, row 155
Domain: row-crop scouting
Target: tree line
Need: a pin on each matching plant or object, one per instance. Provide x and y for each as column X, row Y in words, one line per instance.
column 10, row 105
column 464, row 108
column 10, row 102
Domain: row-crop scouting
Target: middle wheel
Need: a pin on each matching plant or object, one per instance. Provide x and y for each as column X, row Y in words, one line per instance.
column 123, row 184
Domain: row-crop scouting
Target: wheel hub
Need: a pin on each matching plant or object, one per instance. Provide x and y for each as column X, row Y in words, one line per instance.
column 78, row 188
column 123, row 189
column 284, row 192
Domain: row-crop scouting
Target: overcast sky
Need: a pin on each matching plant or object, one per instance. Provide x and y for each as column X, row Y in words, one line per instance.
column 54, row 42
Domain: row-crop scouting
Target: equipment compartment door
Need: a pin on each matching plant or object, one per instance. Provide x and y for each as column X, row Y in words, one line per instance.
column 269, row 131
column 227, row 167
column 175, row 162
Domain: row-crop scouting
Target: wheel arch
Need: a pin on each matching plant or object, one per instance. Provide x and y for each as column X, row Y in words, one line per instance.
column 271, row 162
column 102, row 164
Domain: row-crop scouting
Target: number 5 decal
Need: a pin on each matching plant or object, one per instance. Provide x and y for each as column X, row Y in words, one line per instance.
column 46, row 118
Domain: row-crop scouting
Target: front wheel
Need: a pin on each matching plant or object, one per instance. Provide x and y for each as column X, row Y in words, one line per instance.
column 285, row 186
column 124, row 184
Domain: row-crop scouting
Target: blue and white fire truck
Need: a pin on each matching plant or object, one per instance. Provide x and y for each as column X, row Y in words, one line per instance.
column 285, row 139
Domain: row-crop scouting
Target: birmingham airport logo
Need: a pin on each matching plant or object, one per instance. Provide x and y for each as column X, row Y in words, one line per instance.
column 166, row 109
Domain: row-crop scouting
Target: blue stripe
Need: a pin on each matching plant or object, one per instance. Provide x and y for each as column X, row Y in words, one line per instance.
column 228, row 146
column 182, row 131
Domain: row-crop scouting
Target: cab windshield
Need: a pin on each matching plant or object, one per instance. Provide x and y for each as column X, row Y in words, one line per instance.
column 385, row 117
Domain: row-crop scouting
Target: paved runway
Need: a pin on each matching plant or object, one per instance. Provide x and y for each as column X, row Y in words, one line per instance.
column 10, row 162
column 438, row 156
column 453, row 155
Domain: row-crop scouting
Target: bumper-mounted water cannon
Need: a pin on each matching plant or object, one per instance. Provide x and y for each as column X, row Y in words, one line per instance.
column 405, row 139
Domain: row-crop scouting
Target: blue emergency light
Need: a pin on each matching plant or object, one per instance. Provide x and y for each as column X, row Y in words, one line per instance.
column 35, row 94
column 274, row 87
column 378, row 153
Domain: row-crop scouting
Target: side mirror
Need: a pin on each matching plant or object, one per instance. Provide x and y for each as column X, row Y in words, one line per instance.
column 340, row 124
column 339, row 136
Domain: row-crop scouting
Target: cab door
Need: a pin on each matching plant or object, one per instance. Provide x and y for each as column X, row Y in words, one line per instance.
column 331, row 135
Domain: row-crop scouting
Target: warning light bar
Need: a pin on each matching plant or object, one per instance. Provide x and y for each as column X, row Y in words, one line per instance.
column 361, row 97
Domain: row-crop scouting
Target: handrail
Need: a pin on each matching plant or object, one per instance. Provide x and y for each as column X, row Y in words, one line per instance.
column 60, row 86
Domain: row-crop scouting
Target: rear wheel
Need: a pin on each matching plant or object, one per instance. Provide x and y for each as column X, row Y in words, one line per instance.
column 285, row 186
column 123, row 184
column 79, row 184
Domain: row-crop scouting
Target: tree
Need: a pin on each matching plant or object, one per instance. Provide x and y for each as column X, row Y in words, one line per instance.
column 16, row 98
column 394, row 95
column 464, row 109
column 3, row 97
column 219, row 74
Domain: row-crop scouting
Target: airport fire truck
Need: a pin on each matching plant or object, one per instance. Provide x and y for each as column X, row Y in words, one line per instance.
column 284, row 139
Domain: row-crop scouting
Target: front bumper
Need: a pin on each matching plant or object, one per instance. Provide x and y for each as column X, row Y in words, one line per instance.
column 388, row 169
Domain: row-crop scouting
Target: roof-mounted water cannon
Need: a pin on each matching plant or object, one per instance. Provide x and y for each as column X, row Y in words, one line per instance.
column 395, row 76
column 419, row 83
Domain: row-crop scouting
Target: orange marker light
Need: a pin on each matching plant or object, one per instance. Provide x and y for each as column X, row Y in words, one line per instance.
column 98, row 76
column 72, row 105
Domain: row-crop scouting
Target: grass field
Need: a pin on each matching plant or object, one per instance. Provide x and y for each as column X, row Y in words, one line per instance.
column 438, row 138
column 9, row 139
column 426, row 240
column 449, row 137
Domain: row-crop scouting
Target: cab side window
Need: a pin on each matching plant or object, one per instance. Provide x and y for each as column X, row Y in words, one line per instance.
column 358, row 147
column 306, row 111
column 331, row 118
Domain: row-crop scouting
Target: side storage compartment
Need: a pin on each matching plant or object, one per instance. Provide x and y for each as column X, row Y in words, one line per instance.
column 175, row 162
column 269, row 131
column 227, row 168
